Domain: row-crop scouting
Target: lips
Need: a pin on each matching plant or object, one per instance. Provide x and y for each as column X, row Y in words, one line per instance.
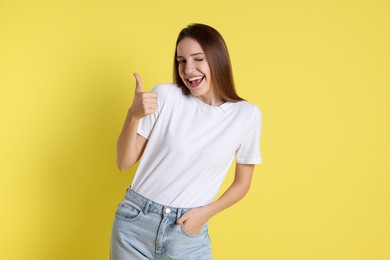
column 195, row 81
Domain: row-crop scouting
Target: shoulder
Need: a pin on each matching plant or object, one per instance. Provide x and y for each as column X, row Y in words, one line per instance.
column 251, row 111
column 164, row 90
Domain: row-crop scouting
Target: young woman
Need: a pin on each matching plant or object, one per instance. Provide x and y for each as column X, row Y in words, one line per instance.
column 187, row 135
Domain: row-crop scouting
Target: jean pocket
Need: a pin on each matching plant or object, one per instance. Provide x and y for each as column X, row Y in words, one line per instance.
column 127, row 211
column 200, row 233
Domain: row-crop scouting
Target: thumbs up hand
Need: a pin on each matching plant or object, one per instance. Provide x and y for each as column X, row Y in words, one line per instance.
column 144, row 103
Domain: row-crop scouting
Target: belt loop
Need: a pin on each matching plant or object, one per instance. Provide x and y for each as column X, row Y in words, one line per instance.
column 178, row 213
column 146, row 207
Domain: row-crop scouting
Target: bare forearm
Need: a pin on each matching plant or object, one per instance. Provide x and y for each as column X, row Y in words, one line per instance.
column 232, row 195
column 130, row 145
column 237, row 190
column 127, row 153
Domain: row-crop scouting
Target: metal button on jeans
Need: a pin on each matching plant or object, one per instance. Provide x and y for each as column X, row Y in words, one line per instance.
column 167, row 210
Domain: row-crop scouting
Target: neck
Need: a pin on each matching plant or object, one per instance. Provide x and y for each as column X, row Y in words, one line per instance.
column 210, row 99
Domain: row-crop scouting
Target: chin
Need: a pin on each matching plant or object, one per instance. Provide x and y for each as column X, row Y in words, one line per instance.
column 198, row 92
column 201, row 90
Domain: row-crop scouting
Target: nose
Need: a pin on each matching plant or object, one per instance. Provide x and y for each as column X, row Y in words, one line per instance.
column 189, row 67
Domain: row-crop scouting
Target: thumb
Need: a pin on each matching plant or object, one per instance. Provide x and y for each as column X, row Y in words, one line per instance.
column 181, row 220
column 138, row 83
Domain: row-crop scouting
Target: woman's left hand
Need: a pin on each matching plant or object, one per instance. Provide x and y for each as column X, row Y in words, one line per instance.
column 194, row 219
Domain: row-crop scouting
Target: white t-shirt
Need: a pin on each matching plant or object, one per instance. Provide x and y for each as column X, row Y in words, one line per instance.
column 191, row 146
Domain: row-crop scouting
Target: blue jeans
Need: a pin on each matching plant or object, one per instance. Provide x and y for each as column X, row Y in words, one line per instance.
column 144, row 229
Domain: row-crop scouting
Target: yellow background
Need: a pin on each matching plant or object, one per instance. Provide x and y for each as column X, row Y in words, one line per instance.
column 318, row 70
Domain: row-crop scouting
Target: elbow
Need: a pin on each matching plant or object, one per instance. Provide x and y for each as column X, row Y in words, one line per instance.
column 122, row 166
column 122, row 169
column 244, row 188
column 247, row 187
column 247, row 190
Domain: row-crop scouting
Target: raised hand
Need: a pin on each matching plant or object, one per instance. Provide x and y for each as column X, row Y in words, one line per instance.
column 144, row 103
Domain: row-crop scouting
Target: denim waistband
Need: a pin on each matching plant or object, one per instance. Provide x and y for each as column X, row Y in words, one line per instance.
column 149, row 206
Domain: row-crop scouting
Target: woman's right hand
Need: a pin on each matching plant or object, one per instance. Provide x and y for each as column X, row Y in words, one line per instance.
column 144, row 103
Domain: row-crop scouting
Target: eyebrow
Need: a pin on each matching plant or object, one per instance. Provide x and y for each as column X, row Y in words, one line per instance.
column 194, row 54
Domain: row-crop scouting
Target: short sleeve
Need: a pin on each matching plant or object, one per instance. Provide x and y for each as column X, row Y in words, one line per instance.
column 146, row 123
column 248, row 151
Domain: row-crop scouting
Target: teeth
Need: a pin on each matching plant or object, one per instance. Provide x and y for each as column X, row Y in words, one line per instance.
column 195, row 78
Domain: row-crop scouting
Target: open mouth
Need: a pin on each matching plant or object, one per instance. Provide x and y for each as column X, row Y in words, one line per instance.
column 195, row 81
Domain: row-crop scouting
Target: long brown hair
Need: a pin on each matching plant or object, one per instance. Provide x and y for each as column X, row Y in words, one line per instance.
column 217, row 56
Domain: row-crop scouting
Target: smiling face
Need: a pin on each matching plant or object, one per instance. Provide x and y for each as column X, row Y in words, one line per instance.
column 194, row 69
